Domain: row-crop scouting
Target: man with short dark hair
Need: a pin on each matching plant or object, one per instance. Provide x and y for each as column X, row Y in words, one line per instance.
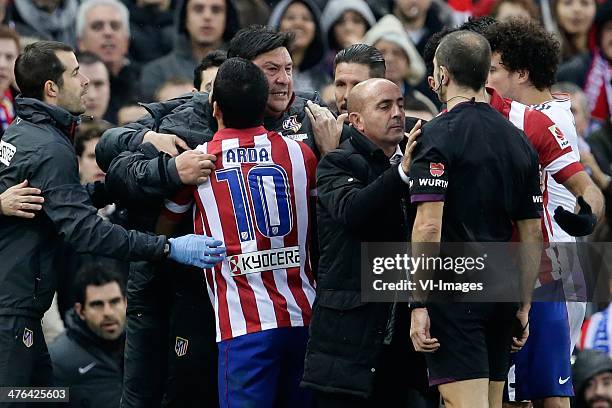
column 98, row 92
column 523, row 67
column 205, row 72
column 52, row 87
column 263, row 296
column 353, row 65
column 88, row 356
column 471, row 135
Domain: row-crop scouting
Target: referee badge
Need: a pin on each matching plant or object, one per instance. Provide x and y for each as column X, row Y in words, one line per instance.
column 180, row 347
column 436, row 169
column 292, row 124
column 28, row 337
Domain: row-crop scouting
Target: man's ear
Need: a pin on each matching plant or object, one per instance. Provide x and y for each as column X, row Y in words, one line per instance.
column 50, row 89
column 523, row 75
column 356, row 120
column 217, row 114
column 78, row 308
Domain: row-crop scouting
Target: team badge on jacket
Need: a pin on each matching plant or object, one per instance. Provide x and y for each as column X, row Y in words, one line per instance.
column 180, row 347
column 28, row 337
column 292, row 124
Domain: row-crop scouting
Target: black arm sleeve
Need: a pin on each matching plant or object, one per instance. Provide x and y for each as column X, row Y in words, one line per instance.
column 120, row 139
column 69, row 208
column 349, row 200
column 143, row 175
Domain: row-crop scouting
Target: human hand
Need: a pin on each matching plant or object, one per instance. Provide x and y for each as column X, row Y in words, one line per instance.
column 194, row 166
column 414, row 133
column 521, row 333
column 327, row 128
column 21, row 201
column 196, row 250
column 165, row 142
column 419, row 332
column 577, row 225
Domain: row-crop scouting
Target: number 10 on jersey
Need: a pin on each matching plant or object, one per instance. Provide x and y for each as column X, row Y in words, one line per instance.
column 268, row 195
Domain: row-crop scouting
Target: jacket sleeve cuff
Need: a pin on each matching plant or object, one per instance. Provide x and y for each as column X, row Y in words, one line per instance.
column 173, row 173
column 403, row 175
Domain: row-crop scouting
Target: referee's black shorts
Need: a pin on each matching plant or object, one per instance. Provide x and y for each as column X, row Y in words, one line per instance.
column 475, row 341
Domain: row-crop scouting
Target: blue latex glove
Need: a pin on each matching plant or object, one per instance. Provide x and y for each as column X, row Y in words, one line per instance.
column 196, row 250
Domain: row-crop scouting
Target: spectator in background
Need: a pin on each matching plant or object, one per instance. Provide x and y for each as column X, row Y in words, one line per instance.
column 130, row 113
column 593, row 379
column 103, row 29
column 405, row 67
column 88, row 356
column 302, row 18
column 252, row 12
column 151, row 28
column 205, row 73
column 344, row 23
column 422, row 18
column 85, row 141
column 45, row 19
column 574, row 19
column 203, row 26
column 98, row 92
column 173, row 88
column 504, row 10
column 9, row 50
column 592, row 71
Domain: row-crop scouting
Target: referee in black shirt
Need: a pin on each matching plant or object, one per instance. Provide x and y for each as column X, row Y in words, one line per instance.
column 473, row 176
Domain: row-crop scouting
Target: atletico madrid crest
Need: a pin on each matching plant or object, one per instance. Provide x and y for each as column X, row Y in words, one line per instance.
column 436, row 169
column 292, row 124
column 180, row 347
column 28, row 337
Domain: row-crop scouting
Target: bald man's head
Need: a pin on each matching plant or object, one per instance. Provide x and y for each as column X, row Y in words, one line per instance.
column 362, row 91
column 376, row 109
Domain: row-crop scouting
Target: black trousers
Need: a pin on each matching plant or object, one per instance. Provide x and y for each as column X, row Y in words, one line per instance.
column 192, row 352
column 24, row 358
column 145, row 359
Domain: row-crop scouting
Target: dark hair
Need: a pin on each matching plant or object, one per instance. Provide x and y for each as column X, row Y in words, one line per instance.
column 253, row 41
column 528, row 5
column 88, row 58
column 96, row 274
column 89, row 130
column 212, row 59
column 525, row 45
column 232, row 22
column 467, row 57
column 363, row 54
column 38, row 64
column 476, row 25
column 7, row 32
column 241, row 92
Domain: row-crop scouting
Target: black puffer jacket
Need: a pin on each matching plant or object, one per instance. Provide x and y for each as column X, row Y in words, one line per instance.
column 90, row 366
column 359, row 200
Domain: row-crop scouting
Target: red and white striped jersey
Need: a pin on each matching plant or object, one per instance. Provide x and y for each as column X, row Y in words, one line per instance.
column 257, row 201
column 559, row 112
column 558, row 160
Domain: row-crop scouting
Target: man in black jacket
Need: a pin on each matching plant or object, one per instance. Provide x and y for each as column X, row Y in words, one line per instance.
column 37, row 147
column 356, row 348
column 88, row 356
